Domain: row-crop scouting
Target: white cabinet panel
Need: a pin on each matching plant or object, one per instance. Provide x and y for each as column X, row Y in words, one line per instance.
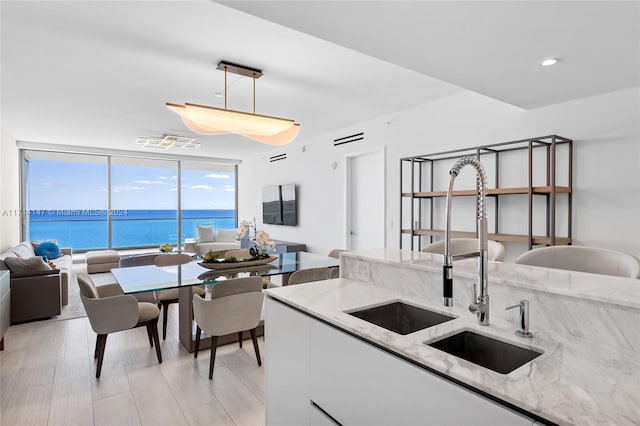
column 318, row 418
column 287, row 365
column 359, row 384
column 356, row 383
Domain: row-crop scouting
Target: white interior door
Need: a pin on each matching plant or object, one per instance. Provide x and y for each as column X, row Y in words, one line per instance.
column 365, row 201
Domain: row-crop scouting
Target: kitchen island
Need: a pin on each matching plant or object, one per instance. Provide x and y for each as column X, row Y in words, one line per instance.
column 327, row 364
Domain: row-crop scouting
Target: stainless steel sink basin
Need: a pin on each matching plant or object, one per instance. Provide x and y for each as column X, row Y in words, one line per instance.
column 485, row 351
column 401, row 318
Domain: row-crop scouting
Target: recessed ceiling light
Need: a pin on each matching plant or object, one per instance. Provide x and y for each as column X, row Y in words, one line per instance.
column 548, row 62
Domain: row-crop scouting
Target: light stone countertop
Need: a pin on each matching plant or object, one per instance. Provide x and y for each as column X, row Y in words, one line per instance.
column 572, row 382
column 599, row 288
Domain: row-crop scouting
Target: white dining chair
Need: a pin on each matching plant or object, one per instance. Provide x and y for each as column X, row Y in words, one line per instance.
column 584, row 259
column 110, row 310
column 495, row 250
column 235, row 306
column 169, row 296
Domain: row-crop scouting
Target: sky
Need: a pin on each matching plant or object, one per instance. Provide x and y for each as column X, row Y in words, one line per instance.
column 75, row 185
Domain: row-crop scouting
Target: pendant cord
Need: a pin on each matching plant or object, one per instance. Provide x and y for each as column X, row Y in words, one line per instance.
column 254, row 93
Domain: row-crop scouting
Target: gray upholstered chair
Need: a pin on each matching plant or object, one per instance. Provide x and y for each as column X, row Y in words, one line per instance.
column 467, row 245
column 234, row 307
column 110, row 310
column 167, row 297
column 308, row 275
column 584, row 259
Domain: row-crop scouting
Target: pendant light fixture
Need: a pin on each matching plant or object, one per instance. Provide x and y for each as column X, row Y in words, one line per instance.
column 208, row 120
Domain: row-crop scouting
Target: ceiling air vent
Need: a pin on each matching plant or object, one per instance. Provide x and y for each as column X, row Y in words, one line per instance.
column 348, row 139
column 278, row 157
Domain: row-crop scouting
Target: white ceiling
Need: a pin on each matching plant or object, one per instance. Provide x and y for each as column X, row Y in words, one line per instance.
column 490, row 47
column 99, row 73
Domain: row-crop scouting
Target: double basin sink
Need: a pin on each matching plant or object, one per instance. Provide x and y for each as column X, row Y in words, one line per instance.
column 476, row 348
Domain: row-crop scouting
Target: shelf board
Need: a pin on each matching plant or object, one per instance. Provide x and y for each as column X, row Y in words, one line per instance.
column 491, row 191
column 508, row 238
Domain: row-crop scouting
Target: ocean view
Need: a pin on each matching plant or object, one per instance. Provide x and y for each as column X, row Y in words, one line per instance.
column 88, row 229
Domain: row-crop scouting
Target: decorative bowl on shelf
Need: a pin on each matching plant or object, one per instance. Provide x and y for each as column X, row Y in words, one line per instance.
column 221, row 264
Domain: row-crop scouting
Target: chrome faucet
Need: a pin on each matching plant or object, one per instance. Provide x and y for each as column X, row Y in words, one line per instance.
column 480, row 302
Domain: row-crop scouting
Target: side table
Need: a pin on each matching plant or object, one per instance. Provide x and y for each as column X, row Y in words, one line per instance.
column 189, row 245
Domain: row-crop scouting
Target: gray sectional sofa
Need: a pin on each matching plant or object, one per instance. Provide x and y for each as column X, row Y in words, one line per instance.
column 39, row 294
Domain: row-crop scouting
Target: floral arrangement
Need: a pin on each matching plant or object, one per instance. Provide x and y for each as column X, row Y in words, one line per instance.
column 166, row 248
column 260, row 239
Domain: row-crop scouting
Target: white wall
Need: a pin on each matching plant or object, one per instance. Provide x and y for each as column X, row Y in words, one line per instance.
column 605, row 130
column 9, row 191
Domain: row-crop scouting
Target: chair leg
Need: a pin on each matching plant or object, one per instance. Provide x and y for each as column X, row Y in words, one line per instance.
column 240, row 338
column 100, row 345
column 150, row 334
column 156, row 339
column 95, row 353
column 165, row 316
column 214, row 346
column 254, row 337
column 197, row 348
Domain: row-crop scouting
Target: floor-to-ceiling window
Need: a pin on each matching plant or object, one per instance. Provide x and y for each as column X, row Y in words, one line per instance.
column 64, row 196
column 144, row 202
column 208, row 196
column 113, row 201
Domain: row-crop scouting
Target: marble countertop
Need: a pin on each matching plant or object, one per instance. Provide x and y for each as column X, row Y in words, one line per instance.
column 617, row 290
column 572, row 382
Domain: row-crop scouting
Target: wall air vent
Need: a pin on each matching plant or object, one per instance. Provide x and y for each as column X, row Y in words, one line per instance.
column 278, row 157
column 348, row 139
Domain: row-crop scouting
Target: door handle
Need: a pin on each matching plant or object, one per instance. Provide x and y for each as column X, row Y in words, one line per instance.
column 353, row 233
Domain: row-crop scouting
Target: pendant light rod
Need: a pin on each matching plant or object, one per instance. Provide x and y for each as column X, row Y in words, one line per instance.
column 254, row 93
column 225, row 87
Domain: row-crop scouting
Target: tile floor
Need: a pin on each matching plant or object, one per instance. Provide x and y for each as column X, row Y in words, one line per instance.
column 47, row 377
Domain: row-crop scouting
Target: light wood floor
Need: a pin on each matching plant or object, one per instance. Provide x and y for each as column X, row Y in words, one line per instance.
column 47, row 377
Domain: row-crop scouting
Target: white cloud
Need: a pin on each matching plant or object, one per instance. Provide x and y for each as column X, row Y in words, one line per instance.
column 163, row 177
column 173, row 189
column 202, row 187
column 129, row 188
column 229, row 188
column 173, row 177
column 46, row 183
column 148, row 182
column 216, row 176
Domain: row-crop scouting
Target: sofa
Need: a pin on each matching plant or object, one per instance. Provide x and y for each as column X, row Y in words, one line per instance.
column 218, row 241
column 39, row 294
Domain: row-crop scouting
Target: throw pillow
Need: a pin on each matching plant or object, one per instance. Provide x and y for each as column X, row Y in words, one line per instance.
column 205, row 234
column 23, row 250
column 26, row 266
column 48, row 249
column 226, row 235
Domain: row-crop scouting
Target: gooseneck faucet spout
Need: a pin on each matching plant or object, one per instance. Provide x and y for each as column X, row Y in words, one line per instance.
column 480, row 304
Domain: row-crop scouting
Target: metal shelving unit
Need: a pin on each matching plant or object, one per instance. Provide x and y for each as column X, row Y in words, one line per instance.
column 421, row 169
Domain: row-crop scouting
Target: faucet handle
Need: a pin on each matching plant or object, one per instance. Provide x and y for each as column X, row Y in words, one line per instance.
column 523, row 330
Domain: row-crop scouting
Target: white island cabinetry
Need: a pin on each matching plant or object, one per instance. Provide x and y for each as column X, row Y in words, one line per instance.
column 313, row 364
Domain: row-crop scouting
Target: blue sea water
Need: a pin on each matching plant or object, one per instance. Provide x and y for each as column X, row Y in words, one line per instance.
column 88, row 229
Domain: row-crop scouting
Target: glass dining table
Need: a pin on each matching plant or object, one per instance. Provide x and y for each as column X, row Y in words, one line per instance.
column 140, row 279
